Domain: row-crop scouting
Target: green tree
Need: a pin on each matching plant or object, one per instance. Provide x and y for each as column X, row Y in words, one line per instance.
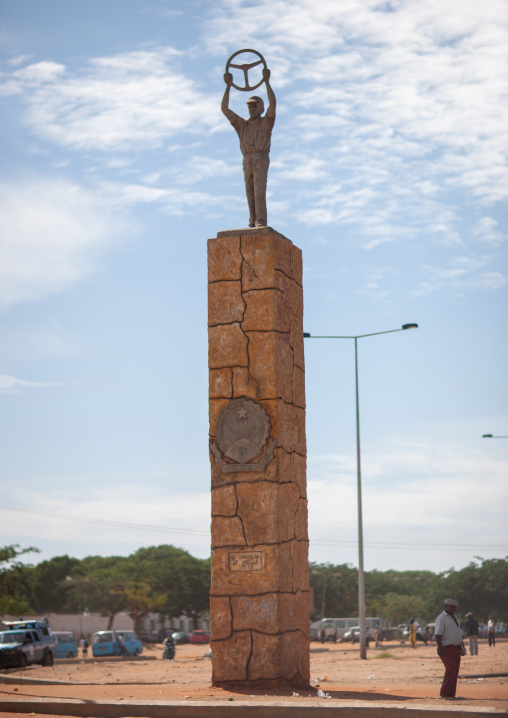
column 183, row 579
column 400, row 608
column 413, row 589
column 14, row 580
column 481, row 587
column 105, row 577
column 51, row 593
column 335, row 590
column 141, row 599
column 192, row 597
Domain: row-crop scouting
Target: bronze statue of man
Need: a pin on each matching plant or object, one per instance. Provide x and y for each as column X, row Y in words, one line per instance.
column 255, row 134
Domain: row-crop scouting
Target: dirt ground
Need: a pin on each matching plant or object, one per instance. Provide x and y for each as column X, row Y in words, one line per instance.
column 394, row 673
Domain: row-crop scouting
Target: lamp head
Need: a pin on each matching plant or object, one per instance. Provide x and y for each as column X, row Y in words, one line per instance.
column 410, row 326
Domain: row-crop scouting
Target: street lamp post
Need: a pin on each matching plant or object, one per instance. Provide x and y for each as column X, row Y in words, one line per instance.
column 361, row 575
column 323, row 598
column 323, row 601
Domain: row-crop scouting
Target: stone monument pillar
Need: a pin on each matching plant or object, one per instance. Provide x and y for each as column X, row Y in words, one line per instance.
column 260, row 580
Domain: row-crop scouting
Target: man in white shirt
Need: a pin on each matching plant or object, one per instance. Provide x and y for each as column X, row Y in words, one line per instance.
column 448, row 634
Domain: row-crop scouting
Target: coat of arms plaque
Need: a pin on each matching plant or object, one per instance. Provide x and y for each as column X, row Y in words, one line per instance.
column 242, row 432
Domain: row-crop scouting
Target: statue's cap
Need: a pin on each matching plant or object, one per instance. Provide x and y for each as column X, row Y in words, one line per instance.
column 255, row 98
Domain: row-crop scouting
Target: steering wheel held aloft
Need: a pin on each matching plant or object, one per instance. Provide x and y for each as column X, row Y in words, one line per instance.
column 246, row 67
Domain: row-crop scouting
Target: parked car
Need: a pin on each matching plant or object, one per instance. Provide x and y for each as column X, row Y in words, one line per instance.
column 26, row 642
column 180, row 637
column 352, row 635
column 199, row 637
column 66, row 645
column 404, row 629
column 108, row 643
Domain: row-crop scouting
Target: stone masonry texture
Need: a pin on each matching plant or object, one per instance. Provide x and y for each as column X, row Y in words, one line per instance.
column 260, row 617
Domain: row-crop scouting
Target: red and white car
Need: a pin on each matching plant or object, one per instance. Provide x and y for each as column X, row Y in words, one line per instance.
column 199, row 637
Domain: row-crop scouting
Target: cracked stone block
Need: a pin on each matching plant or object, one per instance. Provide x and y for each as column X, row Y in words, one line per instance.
column 302, row 437
column 224, row 501
column 265, row 258
column 227, row 346
column 268, row 511
column 244, row 383
column 222, row 626
column 299, row 473
column 220, row 383
column 273, row 613
column 299, row 552
column 265, row 310
column 271, row 364
column 225, row 303
column 296, row 340
column 298, row 386
column 301, row 521
column 283, row 466
column 227, row 531
column 284, row 419
column 224, row 259
column 230, row 658
column 296, row 264
column 294, row 294
column 284, row 657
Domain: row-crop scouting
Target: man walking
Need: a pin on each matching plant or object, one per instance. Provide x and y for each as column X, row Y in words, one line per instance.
column 472, row 634
column 448, row 634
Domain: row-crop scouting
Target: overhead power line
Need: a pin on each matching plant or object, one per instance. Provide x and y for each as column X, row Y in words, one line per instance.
column 317, row 542
column 106, row 522
column 415, row 546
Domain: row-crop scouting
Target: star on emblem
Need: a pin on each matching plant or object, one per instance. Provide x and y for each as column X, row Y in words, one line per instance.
column 242, row 413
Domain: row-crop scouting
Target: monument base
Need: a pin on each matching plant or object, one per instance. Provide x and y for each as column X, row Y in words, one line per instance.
column 259, row 608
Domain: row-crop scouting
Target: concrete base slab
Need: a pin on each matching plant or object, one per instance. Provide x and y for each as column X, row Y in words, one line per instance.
column 237, row 709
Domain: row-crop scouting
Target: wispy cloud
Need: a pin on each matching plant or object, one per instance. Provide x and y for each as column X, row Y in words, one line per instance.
column 127, row 101
column 53, row 233
column 375, row 283
column 486, row 230
column 461, row 274
column 11, row 384
column 173, row 200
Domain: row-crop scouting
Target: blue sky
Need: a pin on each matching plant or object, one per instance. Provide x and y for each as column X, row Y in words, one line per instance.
column 388, row 168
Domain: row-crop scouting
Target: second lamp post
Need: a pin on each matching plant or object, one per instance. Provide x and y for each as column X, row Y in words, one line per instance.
column 361, row 576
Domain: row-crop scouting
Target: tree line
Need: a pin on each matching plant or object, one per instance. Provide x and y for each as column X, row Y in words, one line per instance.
column 158, row 579
column 397, row 596
column 171, row 582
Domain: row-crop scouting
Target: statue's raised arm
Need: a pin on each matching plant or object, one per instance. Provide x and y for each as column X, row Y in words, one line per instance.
column 271, row 96
column 228, row 79
column 254, row 133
